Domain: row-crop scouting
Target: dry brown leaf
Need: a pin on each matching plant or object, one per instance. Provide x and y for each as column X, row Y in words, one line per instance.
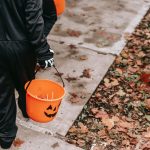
column 116, row 101
column 18, row 142
column 73, row 33
column 133, row 69
column 86, row 73
column 55, row 145
column 81, row 143
column 101, row 114
column 94, row 110
column 72, row 129
column 147, row 134
column 147, row 103
column 115, row 119
column 97, row 95
column 121, row 92
column 139, row 62
column 146, row 146
column 114, row 82
column 120, row 129
column 125, row 124
column 59, row 74
column 141, row 54
column 118, row 60
column 145, row 77
column 124, row 55
column 127, row 35
column 83, row 128
column 89, row 8
column 108, row 122
column 75, row 98
column 125, row 142
column 83, row 57
column 69, row 79
column 71, row 46
column 102, row 133
column 107, row 82
column 119, row 71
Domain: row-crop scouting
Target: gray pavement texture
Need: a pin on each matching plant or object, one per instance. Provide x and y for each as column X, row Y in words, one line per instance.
column 87, row 37
column 99, row 24
column 33, row 140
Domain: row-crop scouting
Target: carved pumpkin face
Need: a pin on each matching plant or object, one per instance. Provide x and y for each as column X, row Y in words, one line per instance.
column 51, row 111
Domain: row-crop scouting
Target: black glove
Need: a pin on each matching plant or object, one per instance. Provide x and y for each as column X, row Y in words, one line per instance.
column 46, row 60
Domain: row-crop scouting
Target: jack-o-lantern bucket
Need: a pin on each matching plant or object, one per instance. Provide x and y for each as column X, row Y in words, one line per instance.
column 60, row 6
column 43, row 98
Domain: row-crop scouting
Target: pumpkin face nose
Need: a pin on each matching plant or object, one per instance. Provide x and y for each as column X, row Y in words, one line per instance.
column 51, row 112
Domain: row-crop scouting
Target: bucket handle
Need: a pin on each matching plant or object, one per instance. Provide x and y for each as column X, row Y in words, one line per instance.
column 56, row 71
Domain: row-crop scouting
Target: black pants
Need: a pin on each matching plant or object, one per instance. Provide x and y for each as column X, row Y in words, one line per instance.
column 17, row 64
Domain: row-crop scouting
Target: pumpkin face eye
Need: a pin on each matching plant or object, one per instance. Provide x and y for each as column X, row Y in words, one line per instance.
column 49, row 108
column 55, row 109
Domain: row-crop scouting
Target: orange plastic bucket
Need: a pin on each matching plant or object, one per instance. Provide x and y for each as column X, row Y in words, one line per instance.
column 60, row 6
column 43, row 98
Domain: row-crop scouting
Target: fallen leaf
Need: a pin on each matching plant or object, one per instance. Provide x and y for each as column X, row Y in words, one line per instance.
column 124, row 55
column 125, row 142
column 127, row 35
column 75, row 98
column 72, row 129
column 146, row 146
column 55, row 145
column 141, row 54
column 69, row 79
column 18, row 142
column 89, row 8
column 94, row 110
column 107, row 82
column 145, row 77
column 132, row 69
column 101, row 114
column 81, row 143
column 119, row 71
column 125, row 124
column 108, row 122
column 116, row 100
column 83, row 128
column 146, row 134
column 97, row 95
column 121, row 92
column 115, row 119
column 71, row 46
column 147, row 103
column 102, row 133
column 86, row 73
column 114, row 82
column 59, row 74
column 120, row 129
column 73, row 33
column 83, row 57
column 139, row 62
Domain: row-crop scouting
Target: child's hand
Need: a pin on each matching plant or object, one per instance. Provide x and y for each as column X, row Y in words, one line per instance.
column 46, row 60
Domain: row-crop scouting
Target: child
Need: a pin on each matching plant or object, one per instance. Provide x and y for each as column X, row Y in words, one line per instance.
column 22, row 45
column 51, row 10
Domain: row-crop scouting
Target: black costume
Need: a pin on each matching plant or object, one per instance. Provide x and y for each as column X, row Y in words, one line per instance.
column 22, row 42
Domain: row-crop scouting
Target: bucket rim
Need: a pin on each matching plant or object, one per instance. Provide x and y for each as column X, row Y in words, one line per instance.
column 47, row 100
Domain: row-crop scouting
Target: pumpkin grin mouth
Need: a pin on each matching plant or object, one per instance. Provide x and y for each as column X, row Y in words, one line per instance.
column 50, row 115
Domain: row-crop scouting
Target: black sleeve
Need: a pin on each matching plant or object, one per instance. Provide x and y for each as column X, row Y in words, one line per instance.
column 35, row 26
column 49, row 15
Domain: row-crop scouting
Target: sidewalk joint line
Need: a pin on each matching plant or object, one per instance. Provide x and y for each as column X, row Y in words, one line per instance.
column 33, row 127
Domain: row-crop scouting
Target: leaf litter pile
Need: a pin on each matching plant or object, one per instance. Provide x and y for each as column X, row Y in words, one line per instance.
column 117, row 117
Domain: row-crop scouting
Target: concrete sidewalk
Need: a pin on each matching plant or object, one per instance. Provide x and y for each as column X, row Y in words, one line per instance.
column 86, row 40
